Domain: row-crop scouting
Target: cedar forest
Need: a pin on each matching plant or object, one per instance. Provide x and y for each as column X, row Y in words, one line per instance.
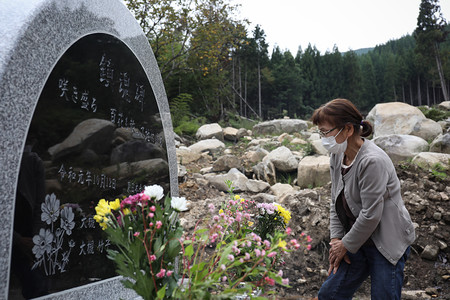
column 214, row 69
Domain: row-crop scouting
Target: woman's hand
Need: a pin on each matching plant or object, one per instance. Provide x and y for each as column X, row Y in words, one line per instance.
column 337, row 253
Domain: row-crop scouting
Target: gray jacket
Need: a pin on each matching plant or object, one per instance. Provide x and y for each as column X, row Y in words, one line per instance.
column 372, row 190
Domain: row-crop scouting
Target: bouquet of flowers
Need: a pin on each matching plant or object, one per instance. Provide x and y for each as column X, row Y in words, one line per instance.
column 235, row 253
column 146, row 234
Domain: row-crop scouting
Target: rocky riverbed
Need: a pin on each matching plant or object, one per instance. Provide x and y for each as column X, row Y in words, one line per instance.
column 427, row 272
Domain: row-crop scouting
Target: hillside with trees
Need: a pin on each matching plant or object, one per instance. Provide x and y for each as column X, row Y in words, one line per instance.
column 214, row 68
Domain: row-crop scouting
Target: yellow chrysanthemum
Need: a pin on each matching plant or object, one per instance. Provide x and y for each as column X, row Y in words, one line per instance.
column 126, row 211
column 221, row 211
column 103, row 209
column 285, row 214
column 250, row 223
column 115, row 205
column 282, row 244
column 237, row 197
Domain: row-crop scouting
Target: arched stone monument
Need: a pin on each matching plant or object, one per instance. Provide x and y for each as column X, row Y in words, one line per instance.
column 83, row 116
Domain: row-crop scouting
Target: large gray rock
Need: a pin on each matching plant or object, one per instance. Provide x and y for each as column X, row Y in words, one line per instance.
column 185, row 155
column 230, row 134
column 402, row 118
column 209, row 131
column 240, row 182
column 266, row 171
column 279, row 189
column 441, row 144
column 94, row 134
column 255, row 156
column 242, row 132
column 275, row 127
column 227, row 162
column 283, row 159
column 136, row 150
column 430, row 159
column 401, row 147
column 211, row 145
column 313, row 171
column 444, row 105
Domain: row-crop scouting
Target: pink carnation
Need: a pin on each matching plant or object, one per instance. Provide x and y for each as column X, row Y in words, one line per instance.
column 161, row 273
column 158, row 224
column 271, row 254
column 269, row 281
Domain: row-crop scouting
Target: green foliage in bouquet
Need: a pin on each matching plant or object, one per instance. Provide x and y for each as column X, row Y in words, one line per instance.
column 146, row 236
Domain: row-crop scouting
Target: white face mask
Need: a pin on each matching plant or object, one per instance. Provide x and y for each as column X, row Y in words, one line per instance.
column 332, row 146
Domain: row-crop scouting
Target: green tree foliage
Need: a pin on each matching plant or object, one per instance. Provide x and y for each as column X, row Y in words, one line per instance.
column 213, row 67
column 429, row 34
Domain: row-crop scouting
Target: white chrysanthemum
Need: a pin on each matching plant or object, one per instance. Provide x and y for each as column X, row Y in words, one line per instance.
column 154, row 191
column 179, row 203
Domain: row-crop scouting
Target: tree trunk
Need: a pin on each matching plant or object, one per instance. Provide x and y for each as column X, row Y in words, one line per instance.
column 428, row 96
column 441, row 72
column 403, row 93
column 419, row 94
column 259, row 88
column 410, row 93
column 233, row 78
column 434, row 94
column 245, row 93
column 240, row 88
column 395, row 94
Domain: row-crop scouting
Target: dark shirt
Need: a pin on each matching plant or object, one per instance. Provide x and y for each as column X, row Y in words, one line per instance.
column 343, row 211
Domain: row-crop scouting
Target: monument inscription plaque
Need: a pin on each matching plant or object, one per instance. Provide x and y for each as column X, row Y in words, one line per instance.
column 84, row 116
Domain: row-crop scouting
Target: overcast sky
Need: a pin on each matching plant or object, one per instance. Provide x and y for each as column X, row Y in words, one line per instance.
column 348, row 24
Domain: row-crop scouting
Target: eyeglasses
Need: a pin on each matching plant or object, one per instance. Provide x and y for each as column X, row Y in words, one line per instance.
column 324, row 133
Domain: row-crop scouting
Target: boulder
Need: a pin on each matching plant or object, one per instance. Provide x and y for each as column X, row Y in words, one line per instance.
column 209, row 131
column 211, row 145
column 94, row 134
column 402, row 118
column 283, row 159
column 313, row 171
column 241, row 133
column 255, row 156
column 276, row 127
column 185, row 155
column 136, row 150
column 227, row 162
column 153, row 169
column 257, row 186
column 230, row 134
column 441, row 144
column 266, row 171
column 429, row 159
column 318, row 148
column 240, row 182
column 427, row 129
column 444, row 105
column 264, row 141
column 279, row 189
column 401, row 147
